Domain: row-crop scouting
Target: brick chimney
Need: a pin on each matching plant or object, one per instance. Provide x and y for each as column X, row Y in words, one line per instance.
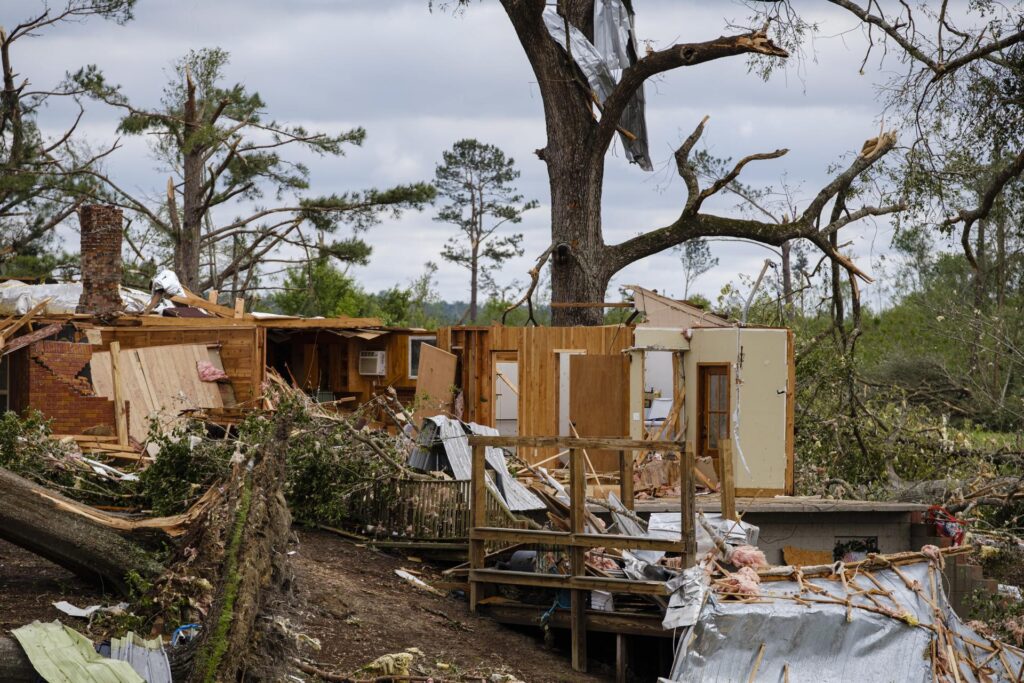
column 101, row 259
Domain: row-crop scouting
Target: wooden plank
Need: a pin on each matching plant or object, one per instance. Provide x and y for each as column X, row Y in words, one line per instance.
column 591, row 304
column 564, row 581
column 478, row 511
column 212, row 296
column 648, row 625
column 9, row 332
column 563, row 442
column 26, row 339
column 120, row 420
column 728, row 483
column 577, row 610
column 687, row 507
column 434, row 382
column 239, row 307
column 568, row 539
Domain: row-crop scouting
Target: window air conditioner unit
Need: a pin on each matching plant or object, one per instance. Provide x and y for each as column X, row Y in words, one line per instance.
column 371, row 363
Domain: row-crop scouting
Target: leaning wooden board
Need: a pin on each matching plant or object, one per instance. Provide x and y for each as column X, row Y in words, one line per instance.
column 159, row 381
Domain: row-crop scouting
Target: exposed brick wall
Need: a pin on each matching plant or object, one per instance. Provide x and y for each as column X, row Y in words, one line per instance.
column 57, row 389
column 101, row 259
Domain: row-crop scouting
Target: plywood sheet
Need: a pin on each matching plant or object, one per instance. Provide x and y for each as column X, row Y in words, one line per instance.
column 434, row 382
column 159, row 382
column 598, row 401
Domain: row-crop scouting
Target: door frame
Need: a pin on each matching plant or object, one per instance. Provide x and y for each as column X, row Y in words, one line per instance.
column 702, row 403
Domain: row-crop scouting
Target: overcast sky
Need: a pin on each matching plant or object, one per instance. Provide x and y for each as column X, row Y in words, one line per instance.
column 418, row 81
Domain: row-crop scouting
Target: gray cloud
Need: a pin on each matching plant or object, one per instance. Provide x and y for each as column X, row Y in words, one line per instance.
column 419, row 80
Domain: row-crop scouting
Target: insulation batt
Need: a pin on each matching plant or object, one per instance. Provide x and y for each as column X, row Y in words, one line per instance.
column 748, row 556
column 743, row 582
column 210, row 373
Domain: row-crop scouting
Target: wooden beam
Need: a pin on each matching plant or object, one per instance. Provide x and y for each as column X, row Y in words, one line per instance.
column 7, row 333
column 592, row 304
column 563, row 581
column 687, row 507
column 477, row 507
column 26, row 339
column 212, row 296
column 120, row 419
column 621, row 658
column 239, row 307
column 647, row 625
column 563, row 442
column 568, row 539
column 728, row 483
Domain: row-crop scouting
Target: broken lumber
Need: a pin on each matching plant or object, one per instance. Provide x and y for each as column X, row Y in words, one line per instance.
column 45, row 523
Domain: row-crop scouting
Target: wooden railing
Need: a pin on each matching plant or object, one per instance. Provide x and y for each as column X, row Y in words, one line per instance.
column 576, row 540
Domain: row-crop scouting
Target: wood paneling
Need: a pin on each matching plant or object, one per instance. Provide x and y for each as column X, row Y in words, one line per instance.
column 538, row 369
column 434, row 382
column 599, row 401
column 242, row 348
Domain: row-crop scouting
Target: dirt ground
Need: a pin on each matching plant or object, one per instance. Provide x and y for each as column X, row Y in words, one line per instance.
column 349, row 599
column 359, row 610
column 29, row 585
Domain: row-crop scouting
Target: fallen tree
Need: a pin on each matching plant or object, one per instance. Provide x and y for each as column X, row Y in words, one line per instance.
column 44, row 523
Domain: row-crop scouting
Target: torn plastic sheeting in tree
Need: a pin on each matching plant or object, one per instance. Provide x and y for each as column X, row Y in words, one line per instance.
column 600, row 76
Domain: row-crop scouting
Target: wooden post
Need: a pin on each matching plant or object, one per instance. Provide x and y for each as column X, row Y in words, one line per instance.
column 478, row 511
column 239, row 308
column 621, row 658
column 687, row 506
column 626, row 462
column 120, row 419
column 577, row 560
column 728, row 483
column 212, row 297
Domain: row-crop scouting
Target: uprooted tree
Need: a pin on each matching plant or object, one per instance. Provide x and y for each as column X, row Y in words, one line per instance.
column 933, row 48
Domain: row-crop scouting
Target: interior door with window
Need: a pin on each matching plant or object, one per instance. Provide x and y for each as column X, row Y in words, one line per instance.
column 713, row 408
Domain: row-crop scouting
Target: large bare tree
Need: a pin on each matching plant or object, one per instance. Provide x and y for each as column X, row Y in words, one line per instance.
column 581, row 125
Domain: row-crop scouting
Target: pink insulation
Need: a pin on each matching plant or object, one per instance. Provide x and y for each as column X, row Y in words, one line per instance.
column 742, row 582
column 209, row 373
column 748, row 556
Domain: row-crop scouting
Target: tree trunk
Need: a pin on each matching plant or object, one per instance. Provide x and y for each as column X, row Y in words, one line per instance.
column 251, row 530
column 40, row 525
column 14, row 665
column 186, row 251
column 787, row 280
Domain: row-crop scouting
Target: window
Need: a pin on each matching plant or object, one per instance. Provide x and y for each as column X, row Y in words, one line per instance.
column 414, row 352
column 713, row 418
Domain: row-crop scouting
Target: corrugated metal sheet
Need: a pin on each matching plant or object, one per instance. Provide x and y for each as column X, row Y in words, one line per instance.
column 146, row 657
column 444, row 446
column 62, row 655
column 818, row 642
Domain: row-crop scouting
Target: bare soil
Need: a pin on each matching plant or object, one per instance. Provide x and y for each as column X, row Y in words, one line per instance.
column 360, row 609
column 29, row 585
column 349, row 598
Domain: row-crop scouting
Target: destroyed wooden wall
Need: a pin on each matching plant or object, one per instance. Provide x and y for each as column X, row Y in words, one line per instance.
column 478, row 348
column 241, row 347
column 325, row 359
column 763, row 455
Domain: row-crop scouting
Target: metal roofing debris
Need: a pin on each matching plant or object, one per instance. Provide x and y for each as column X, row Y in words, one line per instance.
column 146, row 657
column 458, row 459
column 62, row 655
column 613, row 24
column 880, row 625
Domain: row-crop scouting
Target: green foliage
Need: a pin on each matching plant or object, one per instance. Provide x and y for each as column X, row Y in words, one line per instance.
column 476, row 181
column 188, row 463
column 27, row 449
